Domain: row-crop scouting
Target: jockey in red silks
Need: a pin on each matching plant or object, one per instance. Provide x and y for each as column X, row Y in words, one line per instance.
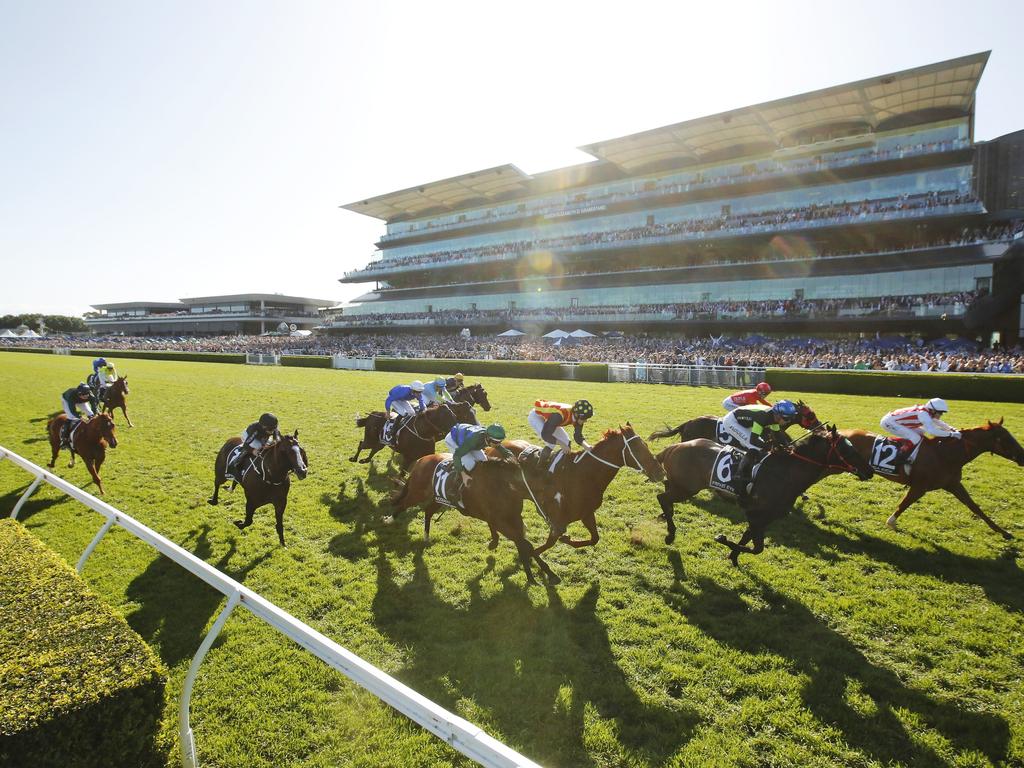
column 755, row 396
column 913, row 423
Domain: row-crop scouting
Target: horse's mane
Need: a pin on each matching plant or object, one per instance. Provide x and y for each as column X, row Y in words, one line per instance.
column 610, row 433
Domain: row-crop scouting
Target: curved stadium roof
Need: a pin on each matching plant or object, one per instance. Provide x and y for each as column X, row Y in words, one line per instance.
column 923, row 94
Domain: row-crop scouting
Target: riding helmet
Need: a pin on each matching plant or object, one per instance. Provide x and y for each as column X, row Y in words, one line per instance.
column 938, row 405
column 582, row 409
column 102, row 361
column 440, row 383
column 83, row 389
column 785, row 408
column 764, row 389
column 268, row 421
column 458, row 377
column 495, row 432
column 416, row 386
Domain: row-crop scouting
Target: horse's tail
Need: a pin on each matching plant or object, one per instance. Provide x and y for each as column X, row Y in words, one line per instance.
column 667, row 432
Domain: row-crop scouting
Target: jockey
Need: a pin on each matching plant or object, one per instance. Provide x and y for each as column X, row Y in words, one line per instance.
column 256, row 437
column 548, row 417
column 72, row 400
column 99, row 362
column 755, row 396
column 436, row 391
column 105, row 376
column 455, row 383
column 750, row 425
column 401, row 399
column 913, row 423
column 468, row 441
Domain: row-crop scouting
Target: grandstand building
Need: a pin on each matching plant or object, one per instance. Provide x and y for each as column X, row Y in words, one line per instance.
column 241, row 313
column 865, row 206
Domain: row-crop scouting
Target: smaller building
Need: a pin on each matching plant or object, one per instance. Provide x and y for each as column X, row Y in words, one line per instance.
column 240, row 313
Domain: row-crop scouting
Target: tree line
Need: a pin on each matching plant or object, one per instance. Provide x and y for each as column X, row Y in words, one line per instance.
column 57, row 323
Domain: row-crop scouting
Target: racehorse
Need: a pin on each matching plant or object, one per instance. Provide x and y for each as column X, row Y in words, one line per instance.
column 89, row 440
column 940, row 463
column 575, row 490
column 783, row 476
column 474, row 395
column 266, row 478
column 418, row 436
column 494, row 495
column 114, row 397
column 707, row 426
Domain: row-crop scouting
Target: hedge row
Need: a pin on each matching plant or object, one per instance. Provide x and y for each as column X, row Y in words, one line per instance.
column 960, row 386
column 509, row 368
column 32, row 350
column 79, row 686
column 146, row 354
column 306, row 361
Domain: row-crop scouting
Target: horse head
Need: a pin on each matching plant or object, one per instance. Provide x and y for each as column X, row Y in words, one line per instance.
column 292, row 455
column 633, row 451
column 104, row 427
column 121, row 385
column 480, row 396
column 808, row 418
column 997, row 439
column 462, row 413
column 839, row 452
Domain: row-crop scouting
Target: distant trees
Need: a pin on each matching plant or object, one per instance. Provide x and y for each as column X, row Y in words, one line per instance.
column 55, row 323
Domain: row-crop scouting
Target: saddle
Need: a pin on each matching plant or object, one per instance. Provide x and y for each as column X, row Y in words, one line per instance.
column 67, row 433
column 887, row 459
column 447, row 485
column 533, row 457
column 235, row 473
column 725, row 472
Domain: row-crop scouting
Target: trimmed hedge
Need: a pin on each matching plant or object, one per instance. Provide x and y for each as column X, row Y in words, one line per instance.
column 306, row 361
column 147, row 354
column 516, row 369
column 989, row 387
column 79, row 686
column 33, row 350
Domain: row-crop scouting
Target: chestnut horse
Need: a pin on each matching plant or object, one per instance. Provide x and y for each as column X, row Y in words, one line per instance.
column 576, row 488
column 494, row 495
column 474, row 395
column 940, row 463
column 267, row 479
column 784, row 475
column 89, row 440
column 114, row 397
column 419, row 435
column 707, row 426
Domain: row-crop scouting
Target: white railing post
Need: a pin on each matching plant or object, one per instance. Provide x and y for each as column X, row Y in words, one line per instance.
column 188, row 742
column 92, row 544
column 24, row 497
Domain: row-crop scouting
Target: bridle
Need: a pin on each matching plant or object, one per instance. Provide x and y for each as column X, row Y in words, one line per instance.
column 625, row 463
column 260, row 467
column 833, row 447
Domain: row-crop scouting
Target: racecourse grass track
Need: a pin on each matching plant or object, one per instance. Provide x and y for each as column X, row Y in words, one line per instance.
column 845, row 643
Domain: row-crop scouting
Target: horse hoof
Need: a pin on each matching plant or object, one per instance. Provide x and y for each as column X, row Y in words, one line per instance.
column 722, row 539
column 364, row 461
column 564, row 538
column 1007, row 535
column 212, row 502
column 239, row 525
column 388, row 520
column 492, row 544
column 669, row 538
column 891, row 522
column 554, row 579
column 353, row 459
column 735, row 557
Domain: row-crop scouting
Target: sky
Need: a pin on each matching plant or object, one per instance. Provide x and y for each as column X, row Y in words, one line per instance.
column 154, row 151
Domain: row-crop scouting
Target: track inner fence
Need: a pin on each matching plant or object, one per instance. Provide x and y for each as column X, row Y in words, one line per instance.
column 462, row 735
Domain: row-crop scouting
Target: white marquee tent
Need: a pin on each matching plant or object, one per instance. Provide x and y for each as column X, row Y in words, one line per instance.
column 512, row 332
column 555, row 334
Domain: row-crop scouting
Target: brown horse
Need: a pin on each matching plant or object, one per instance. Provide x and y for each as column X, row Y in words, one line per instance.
column 419, row 435
column 474, row 395
column 266, row 480
column 89, row 440
column 707, row 426
column 940, row 463
column 784, row 475
column 495, row 495
column 576, row 488
column 115, row 397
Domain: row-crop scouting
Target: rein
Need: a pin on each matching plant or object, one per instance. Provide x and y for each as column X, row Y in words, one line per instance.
column 845, row 466
column 616, row 467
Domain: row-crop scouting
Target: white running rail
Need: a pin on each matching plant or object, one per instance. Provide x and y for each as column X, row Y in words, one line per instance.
column 462, row 735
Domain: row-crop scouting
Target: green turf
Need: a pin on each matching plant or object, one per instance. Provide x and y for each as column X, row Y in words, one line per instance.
column 843, row 644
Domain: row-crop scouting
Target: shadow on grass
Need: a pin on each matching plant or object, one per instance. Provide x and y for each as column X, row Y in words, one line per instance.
column 352, row 506
column 1000, row 577
column 175, row 606
column 540, row 672
column 829, row 661
column 33, row 504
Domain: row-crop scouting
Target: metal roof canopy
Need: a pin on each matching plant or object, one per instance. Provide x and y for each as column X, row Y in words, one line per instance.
column 141, row 305
column 276, row 297
column 935, row 91
column 489, row 185
column 922, row 94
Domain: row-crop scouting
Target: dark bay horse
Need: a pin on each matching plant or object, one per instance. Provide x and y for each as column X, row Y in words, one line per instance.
column 419, row 435
column 267, row 479
column 707, row 426
column 576, row 488
column 939, row 465
column 115, row 396
column 90, row 441
column 494, row 495
column 784, row 475
column 474, row 395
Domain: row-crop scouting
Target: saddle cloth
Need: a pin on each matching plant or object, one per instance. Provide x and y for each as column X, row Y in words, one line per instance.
column 387, row 432
column 885, row 457
column 246, row 467
column 68, row 433
column 723, row 471
column 721, row 436
column 531, row 457
column 448, row 485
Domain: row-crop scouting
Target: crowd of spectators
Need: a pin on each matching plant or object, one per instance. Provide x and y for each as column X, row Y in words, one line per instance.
column 890, row 306
column 680, row 183
column 779, row 219
column 879, row 353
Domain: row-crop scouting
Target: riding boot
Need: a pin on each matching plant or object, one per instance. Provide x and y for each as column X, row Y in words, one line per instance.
column 745, row 470
column 544, row 456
